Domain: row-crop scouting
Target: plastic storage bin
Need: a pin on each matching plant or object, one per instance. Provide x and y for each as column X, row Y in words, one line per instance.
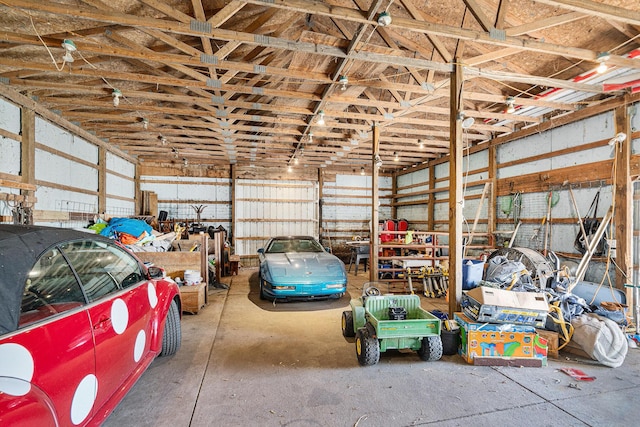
column 472, row 271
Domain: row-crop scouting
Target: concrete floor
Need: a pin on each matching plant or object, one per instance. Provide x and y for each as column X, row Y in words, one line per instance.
column 246, row 362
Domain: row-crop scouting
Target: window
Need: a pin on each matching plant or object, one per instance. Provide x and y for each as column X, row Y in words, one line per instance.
column 51, row 288
column 103, row 268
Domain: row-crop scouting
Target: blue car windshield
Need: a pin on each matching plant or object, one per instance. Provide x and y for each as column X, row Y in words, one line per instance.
column 280, row 246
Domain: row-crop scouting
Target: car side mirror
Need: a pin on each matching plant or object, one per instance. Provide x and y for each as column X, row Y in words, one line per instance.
column 327, row 249
column 261, row 250
column 155, row 272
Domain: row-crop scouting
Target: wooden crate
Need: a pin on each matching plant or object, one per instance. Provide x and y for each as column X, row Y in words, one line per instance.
column 175, row 263
column 193, row 297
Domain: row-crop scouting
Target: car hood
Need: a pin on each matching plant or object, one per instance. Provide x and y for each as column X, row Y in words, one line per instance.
column 305, row 267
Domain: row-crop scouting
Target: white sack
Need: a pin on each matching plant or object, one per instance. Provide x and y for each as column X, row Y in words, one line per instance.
column 601, row 338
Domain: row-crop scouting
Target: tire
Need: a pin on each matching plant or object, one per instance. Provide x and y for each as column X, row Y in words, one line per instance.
column 347, row 324
column 431, row 348
column 262, row 295
column 367, row 348
column 172, row 334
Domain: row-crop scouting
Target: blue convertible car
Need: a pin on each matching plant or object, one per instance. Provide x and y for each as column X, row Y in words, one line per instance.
column 298, row 267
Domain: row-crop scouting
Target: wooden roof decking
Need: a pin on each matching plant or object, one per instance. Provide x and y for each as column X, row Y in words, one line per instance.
column 242, row 82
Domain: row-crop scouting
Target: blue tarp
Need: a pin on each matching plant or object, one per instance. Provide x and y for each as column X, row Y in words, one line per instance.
column 134, row 227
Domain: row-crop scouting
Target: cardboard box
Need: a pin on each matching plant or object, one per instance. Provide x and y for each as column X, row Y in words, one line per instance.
column 485, row 304
column 553, row 342
column 499, row 344
column 193, row 297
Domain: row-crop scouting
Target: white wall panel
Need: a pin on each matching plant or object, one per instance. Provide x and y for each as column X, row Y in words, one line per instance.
column 119, row 165
column 183, row 190
column 62, row 140
column 119, row 186
column 523, row 169
column 267, row 208
column 418, row 177
column 532, row 145
column 52, row 168
column 65, row 201
column 9, row 149
column 9, row 156
column 119, row 207
column 10, row 117
column 582, row 157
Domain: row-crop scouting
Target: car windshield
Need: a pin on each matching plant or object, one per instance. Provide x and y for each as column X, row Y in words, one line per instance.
column 280, row 246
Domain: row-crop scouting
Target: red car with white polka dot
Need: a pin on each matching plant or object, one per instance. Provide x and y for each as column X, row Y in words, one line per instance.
column 81, row 319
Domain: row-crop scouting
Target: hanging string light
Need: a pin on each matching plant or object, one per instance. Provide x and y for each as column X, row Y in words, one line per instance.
column 116, row 94
column 344, row 81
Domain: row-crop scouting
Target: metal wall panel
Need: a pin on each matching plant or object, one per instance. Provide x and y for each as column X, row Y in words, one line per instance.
column 267, row 208
column 9, row 117
column 119, row 186
column 9, row 149
column 177, row 195
column 346, row 208
column 60, row 170
column 62, row 140
column 120, row 165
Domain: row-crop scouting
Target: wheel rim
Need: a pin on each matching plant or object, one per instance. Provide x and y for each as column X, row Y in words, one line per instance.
column 344, row 323
column 358, row 346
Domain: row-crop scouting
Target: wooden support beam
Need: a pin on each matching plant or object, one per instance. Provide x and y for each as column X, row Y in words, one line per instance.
column 374, row 246
column 455, row 191
column 477, row 13
column 623, row 200
column 491, row 209
column 600, row 10
column 15, row 184
column 102, row 182
column 432, row 199
column 501, row 14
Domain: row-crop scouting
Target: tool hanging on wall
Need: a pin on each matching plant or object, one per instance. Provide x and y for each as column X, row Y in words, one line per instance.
column 512, row 204
column 590, row 224
column 580, row 222
column 21, row 208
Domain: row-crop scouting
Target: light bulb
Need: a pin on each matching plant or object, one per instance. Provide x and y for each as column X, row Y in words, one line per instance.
column 421, row 144
column 116, row 97
column 321, row 118
column 602, row 58
column 602, row 68
column 145, row 124
column 344, row 81
column 384, row 19
column 396, row 157
column 511, row 107
column 67, row 57
column 69, row 45
column 295, row 161
column 362, row 170
column 289, row 168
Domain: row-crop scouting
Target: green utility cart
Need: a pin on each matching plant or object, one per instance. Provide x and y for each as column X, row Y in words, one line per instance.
column 383, row 322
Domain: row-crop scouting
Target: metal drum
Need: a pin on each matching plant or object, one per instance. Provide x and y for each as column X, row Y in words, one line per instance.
column 540, row 267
